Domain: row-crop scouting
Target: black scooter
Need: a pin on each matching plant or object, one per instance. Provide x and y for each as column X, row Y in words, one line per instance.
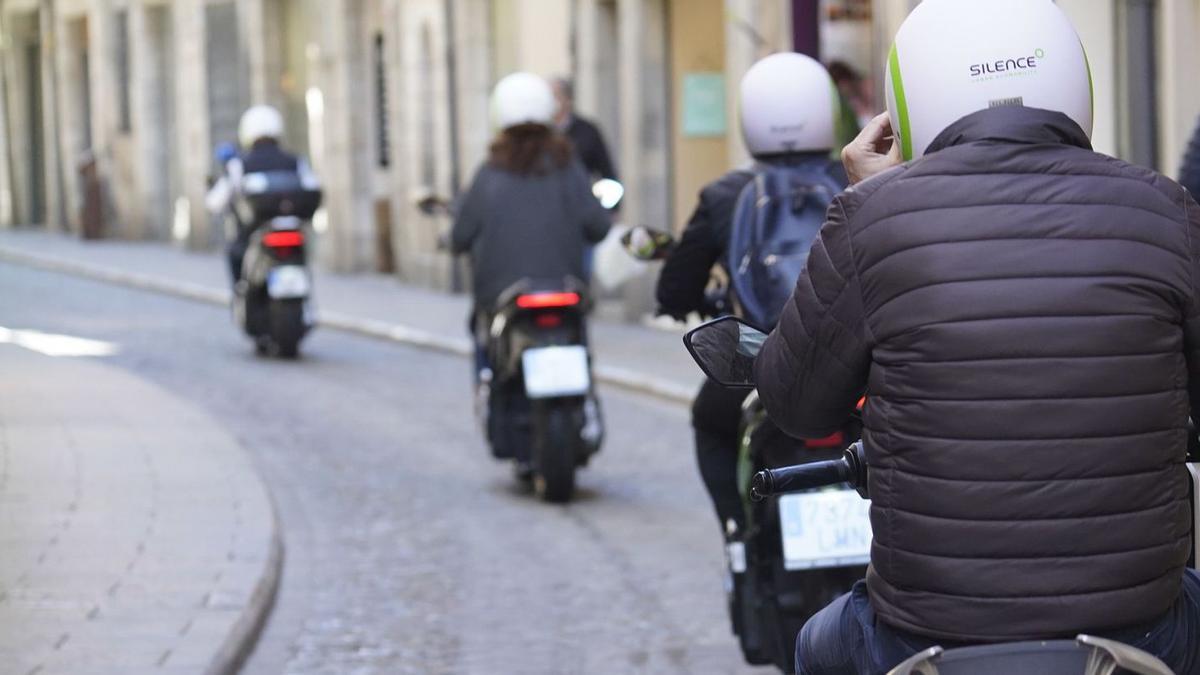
column 272, row 300
column 535, row 395
column 725, row 349
column 776, row 580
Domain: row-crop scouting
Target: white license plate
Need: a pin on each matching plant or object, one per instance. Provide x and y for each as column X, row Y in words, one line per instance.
column 556, row 371
column 831, row 528
column 288, row 281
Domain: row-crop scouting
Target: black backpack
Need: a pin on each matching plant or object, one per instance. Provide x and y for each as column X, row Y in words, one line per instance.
column 775, row 222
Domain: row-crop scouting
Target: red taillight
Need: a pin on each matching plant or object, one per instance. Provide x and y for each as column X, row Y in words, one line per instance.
column 543, row 300
column 836, row 440
column 548, row 320
column 284, row 239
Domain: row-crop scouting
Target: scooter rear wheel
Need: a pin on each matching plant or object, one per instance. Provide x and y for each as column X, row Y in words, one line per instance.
column 287, row 326
column 555, row 450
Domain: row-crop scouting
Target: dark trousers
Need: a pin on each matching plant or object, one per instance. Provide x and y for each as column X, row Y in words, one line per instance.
column 236, row 253
column 846, row 638
column 716, row 417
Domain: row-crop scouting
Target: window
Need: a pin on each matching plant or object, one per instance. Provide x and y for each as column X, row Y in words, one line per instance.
column 383, row 149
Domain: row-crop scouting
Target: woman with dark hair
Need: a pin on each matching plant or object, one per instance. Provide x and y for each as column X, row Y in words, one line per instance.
column 530, row 210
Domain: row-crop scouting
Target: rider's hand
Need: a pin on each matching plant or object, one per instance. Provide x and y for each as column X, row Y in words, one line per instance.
column 874, row 151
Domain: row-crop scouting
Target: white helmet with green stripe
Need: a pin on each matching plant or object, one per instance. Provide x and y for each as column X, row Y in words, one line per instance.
column 955, row 57
column 787, row 105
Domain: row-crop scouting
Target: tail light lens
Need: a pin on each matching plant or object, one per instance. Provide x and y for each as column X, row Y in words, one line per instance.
column 548, row 320
column 284, row 239
column 546, row 300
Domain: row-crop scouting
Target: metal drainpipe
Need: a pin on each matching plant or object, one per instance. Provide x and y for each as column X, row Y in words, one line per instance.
column 456, row 271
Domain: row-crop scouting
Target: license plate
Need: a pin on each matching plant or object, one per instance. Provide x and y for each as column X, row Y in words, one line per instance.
column 556, row 371
column 288, row 281
column 831, row 528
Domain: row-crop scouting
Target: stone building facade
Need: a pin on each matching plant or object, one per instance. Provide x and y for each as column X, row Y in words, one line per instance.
column 389, row 98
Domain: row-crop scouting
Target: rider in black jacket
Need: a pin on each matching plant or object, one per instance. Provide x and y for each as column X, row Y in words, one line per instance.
column 777, row 96
column 1189, row 176
column 260, row 131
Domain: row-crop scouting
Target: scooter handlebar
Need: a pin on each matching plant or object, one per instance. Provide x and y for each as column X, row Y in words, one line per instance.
column 849, row 469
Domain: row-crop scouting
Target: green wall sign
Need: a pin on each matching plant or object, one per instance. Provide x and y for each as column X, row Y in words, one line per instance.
column 703, row 105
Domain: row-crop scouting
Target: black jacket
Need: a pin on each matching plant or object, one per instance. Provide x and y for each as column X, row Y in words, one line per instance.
column 526, row 226
column 705, row 241
column 1022, row 313
column 1189, row 176
column 269, row 156
column 590, row 147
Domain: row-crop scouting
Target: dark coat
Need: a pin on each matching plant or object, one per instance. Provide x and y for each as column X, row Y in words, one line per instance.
column 1022, row 314
column 526, row 226
column 590, row 147
column 1189, row 176
column 705, row 241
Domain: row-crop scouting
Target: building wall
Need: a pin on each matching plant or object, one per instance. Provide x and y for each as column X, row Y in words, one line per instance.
column 413, row 76
column 697, row 51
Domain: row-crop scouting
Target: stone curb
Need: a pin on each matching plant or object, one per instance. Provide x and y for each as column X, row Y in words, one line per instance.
column 616, row 376
column 243, row 637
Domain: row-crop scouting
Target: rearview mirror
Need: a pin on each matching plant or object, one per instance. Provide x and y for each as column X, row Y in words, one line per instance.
column 725, row 349
column 646, row 244
column 609, row 192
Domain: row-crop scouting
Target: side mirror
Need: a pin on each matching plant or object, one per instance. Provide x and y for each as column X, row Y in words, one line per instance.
column 646, row 244
column 725, row 349
column 608, row 192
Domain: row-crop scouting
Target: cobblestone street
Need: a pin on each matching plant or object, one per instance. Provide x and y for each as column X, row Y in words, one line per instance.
column 407, row 549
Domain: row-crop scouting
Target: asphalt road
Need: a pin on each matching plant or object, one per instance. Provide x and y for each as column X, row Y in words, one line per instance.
column 408, row 550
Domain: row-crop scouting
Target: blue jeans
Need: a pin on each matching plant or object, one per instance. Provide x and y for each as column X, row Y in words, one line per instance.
column 846, row 639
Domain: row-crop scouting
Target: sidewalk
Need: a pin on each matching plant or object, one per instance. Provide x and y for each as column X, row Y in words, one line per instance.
column 631, row 356
column 135, row 537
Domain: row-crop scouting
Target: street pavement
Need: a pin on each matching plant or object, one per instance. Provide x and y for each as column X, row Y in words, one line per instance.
column 135, row 537
column 407, row 549
column 650, row 360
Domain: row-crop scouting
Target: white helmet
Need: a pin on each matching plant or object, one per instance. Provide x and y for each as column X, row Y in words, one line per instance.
column 260, row 121
column 522, row 98
column 787, row 105
column 955, row 57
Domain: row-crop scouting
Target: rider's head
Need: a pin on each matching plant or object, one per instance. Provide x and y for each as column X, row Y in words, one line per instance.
column 522, row 98
column 787, row 105
column 261, row 122
column 956, row 57
column 564, row 94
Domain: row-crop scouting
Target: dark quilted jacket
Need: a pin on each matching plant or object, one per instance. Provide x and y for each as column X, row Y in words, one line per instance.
column 1023, row 315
